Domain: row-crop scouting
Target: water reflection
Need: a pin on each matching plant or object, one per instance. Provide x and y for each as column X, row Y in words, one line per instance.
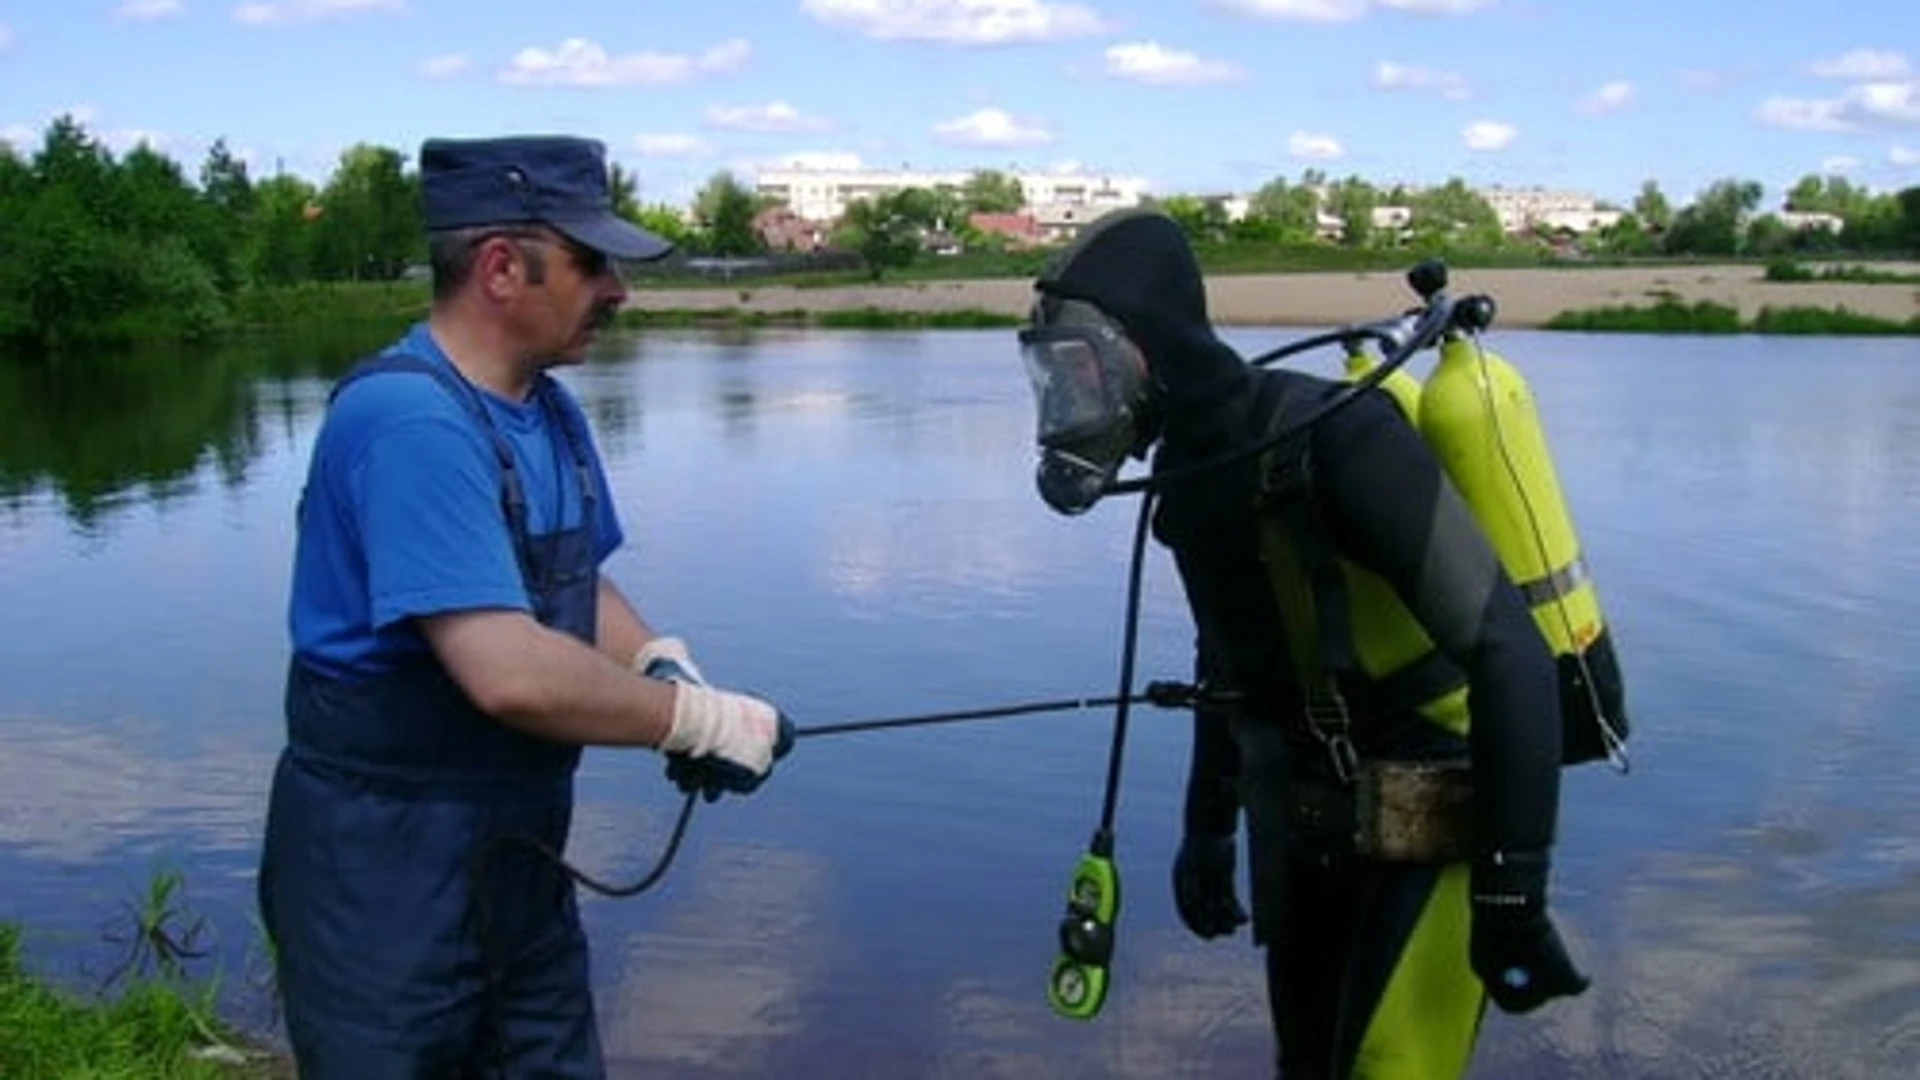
column 847, row 522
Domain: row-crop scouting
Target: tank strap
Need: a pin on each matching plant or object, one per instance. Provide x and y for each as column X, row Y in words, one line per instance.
column 1304, row 573
column 1309, row 587
column 1556, row 584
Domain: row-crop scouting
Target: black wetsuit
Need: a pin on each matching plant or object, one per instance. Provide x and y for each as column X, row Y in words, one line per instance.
column 1339, row 928
column 1368, row 969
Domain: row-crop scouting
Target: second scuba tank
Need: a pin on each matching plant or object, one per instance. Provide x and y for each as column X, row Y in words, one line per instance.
column 1404, row 387
column 1478, row 414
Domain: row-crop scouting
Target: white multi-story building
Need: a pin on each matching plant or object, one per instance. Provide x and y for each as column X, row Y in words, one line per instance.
column 1522, row 209
column 822, row 194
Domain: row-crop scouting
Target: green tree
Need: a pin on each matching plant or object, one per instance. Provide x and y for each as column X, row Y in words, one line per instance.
column 624, row 186
column 664, row 221
column 1651, row 206
column 1353, row 201
column 990, row 191
column 1201, row 219
column 1908, row 229
column 280, row 246
column 1291, row 209
column 725, row 209
column 369, row 227
column 1454, row 215
column 888, row 230
column 1715, row 222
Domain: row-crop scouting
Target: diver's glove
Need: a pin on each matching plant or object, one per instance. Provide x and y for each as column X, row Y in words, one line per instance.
column 1203, row 885
column 1515, row 949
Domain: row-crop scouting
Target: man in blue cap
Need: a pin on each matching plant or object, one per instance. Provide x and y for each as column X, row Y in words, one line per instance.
column 455, row 645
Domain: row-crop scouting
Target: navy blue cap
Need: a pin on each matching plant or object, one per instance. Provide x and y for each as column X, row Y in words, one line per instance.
column 555, row 180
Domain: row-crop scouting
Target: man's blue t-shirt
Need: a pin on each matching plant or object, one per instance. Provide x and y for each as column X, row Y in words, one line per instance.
column 402, row 511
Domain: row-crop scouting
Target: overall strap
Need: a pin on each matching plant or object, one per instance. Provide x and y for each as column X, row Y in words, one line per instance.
column 547, row 391
column 513, row 497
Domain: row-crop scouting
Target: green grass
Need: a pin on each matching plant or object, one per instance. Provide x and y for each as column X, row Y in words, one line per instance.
column 1670, row 315
column 1787, row 270
column 149, row 1020
column 152, row 1028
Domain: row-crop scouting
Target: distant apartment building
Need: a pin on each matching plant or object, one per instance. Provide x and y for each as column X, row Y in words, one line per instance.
column 1809, row 220
column 1534, row 209
column 1059, row 200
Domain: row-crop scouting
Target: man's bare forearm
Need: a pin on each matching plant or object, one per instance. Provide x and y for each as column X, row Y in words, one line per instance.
column 549, row 684
column 619, row 631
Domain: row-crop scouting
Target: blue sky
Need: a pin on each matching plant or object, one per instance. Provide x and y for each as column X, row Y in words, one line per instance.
column 1190, row 95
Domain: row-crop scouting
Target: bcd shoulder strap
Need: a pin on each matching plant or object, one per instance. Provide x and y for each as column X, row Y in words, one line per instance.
column 1304, row 574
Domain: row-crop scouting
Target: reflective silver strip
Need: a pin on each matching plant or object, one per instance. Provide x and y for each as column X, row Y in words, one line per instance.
column 1557, row 584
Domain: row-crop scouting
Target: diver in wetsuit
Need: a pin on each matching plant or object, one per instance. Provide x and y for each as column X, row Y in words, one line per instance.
column 1379, row 964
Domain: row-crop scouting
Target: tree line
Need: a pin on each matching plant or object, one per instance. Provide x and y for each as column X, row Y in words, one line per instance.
column 110, row 249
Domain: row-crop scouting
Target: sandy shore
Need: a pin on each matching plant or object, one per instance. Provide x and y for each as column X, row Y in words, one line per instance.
column 1525, row 297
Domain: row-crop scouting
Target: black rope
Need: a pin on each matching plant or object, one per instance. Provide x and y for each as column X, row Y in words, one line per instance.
column 1166, row 694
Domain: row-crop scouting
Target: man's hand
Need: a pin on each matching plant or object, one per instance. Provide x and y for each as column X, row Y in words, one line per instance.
column 1515, row 949
column 720, row 741
column 1203, row 888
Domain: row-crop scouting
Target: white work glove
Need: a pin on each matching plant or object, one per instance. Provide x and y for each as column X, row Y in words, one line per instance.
column 720, row 741
column 661, row 656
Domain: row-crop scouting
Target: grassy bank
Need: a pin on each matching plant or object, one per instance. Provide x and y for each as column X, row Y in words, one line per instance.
column 1794, row 272
column 148, row 1018
column 1671, row 315
column 152, row 1027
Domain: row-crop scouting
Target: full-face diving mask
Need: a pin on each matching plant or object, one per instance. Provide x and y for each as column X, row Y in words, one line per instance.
column 1089, row 385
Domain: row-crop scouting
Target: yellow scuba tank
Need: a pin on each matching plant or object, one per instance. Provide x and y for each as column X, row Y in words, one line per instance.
column 1403, row 386
column 1477, row 413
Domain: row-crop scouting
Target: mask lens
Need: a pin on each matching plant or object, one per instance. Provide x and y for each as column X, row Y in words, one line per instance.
column 1070, row 387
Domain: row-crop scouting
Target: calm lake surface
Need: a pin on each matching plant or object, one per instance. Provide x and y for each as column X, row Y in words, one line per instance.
column 846, row 523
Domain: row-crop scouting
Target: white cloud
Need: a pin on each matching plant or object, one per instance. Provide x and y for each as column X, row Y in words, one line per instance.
column 1436, row 7
column 991, row 127
column 1801, row 114
column 1834, row 166
column 1901, row 155
column 142, row 10
column 958, row 22
column 669, row 145
column 1312, row 147
column 1862, row 65
column 773, row 116
column 6, row 37
column 1388, row 75
column 580, row 62
column 1328, row 11
column 448, row 66
column 1488, row 135
column 1300, row 10
column 1866, row 106
column 288, row 11
column 1610, row 97
column 1701, row 79
column 1151, row 62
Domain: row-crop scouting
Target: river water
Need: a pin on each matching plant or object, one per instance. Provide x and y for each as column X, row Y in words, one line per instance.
column 845, row 523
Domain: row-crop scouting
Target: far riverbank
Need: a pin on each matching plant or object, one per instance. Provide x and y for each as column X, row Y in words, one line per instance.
column 1526, row 297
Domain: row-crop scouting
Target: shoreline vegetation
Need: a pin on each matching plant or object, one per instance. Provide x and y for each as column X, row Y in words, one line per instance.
column 139, row 251
column 1668, row 298
column 148, row 1018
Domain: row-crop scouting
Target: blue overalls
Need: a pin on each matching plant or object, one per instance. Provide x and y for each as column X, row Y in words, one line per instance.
column 394, row 958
